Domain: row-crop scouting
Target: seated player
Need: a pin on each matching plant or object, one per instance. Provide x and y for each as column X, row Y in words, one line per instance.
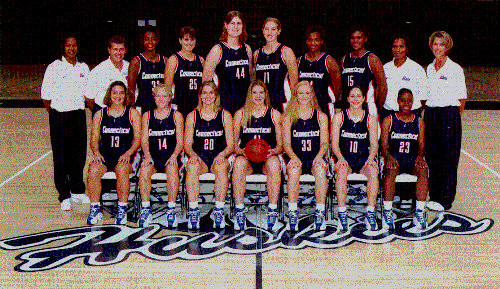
column 115, row 137
column 208, row 142
column 355, row 145
column 305, row 141
column 162, row 142
column 257, row 119
column 403, row 148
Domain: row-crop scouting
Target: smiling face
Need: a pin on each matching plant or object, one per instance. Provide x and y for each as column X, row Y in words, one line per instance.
column 117, row 52
column 405, row 102
column 258, row 95
column 358, row 40
column 304, row 94
column 162, row 97
column 355, row 98
column 271, row 31
column 118, row 95
column 399, row 49
column 150, row 41
column 207, row 96
column 187, row 42
column 70, row 48
column 234, row 27
column 439, row 47
column 314, row 42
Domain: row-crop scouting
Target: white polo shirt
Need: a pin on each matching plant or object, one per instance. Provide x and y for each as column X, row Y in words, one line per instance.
column 410, row 75
column 64, row 84
column 447, row 85
column 101, row 77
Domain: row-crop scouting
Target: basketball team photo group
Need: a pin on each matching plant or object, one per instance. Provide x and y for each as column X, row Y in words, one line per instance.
column 241, row 112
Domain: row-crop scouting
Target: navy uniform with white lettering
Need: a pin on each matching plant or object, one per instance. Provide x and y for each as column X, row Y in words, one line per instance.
column 117, row 135
column 272, row 70
column 305, row 140
column 209, row 137
column 187, row 79
column 316, row 72
column 233, row 73
column 162, row 138
column 354, row 141
column 403, row 142
column 356, row 71
column 150, row 74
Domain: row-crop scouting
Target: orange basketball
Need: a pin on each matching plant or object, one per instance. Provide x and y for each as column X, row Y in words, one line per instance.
column 257, row 150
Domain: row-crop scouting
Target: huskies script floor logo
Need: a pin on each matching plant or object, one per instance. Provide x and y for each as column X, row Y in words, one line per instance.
column 111, row 244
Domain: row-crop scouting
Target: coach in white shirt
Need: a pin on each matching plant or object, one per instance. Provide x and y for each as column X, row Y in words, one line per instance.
column 402, row 72
column 112, row 69
column 443, row 123
column 62, row 93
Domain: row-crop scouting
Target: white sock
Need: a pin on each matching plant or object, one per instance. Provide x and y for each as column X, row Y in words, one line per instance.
column 171, row 204
column 145, row 204
column 193, row 205
column 370, row 209
column 421, row 205
column 342, row 209
column 122, row 204
column 240, row 206
column 219, row 205
column 320, row 207
column 273, row 206
column 387, row 205
column 292, row 206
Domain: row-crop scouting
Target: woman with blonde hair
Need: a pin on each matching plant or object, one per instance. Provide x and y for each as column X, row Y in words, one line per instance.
column 208, row 142
column 305, row 141
column 257, row 119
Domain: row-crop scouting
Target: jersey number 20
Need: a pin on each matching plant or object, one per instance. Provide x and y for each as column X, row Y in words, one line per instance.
column 209, row 144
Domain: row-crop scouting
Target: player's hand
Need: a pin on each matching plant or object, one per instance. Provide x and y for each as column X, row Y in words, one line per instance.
column 295, row 162
column 239, row 151
column 124, row 159
column 194, row 159
column 219, row 159
column 172, row 161
column 272, row 152
column 392, row 163
column 97, row 158
column 341, row 163
column 319, row 161
column 148, row 160
column 420, row 162
column 370, row 162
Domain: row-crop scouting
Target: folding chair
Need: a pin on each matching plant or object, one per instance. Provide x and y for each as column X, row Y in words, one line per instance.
column 109, row 197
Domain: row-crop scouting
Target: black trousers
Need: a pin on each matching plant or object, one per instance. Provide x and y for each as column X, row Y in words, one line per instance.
column 443, row 140
column 68, row 135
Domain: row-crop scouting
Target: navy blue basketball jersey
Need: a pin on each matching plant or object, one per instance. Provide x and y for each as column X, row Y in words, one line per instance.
column 209, row 137
column 150, row 74
column 187, row 80
column 316, row 72
column 117, row 134
column 305, row 138
column 354, row 140
column 259, row 127
column 356, row 71
column 272, row 70
column 162, row 136
column 403, row 139
column 233, row 73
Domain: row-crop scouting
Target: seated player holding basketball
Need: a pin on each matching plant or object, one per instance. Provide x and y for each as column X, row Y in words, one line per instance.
column 115, row 137
column 162, row 142
column 355, row 145
column 305, row 141
column 257, row 120
column 208, row 141
column 403, row 148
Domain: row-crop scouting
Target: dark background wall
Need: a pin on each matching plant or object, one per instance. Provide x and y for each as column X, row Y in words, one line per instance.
column 30, row 31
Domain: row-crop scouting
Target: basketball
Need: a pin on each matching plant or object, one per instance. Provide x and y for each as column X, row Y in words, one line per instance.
column 256, row 150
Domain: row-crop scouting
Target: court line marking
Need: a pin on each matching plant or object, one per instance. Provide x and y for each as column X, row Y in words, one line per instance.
column 480, row 163
column 25, row 169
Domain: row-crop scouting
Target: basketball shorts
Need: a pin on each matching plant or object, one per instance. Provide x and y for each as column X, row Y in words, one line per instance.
column 406, row 165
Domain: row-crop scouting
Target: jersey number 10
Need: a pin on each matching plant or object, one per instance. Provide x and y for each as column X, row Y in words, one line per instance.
column 353, row 147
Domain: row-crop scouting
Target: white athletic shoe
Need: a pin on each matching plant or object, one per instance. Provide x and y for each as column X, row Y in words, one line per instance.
column 435, row 206
column 80, row 198
column 66, row 204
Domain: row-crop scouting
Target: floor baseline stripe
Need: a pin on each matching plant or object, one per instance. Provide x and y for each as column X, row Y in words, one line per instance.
column 481, row 163
column 25, row 169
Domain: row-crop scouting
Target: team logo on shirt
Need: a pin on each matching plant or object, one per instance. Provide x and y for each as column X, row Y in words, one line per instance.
column 443, row 77
column 405, row 78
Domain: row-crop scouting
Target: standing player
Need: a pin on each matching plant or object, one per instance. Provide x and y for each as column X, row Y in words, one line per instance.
column 305, row 141
column 116, row 136
column 231, row 61
column 443, row 122
column 257, row 119
column 362, row 68
column 62, row 94
column 146, row 71
column 321, row 70
column 274, row 62
column 402, row 72
column 162, row 143
column 208, row 143
column 112, row 69
column 184, row 72
column 403, row 149
column 355, row 145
